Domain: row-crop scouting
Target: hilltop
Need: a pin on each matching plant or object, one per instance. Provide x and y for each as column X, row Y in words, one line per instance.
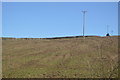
column 61, row 57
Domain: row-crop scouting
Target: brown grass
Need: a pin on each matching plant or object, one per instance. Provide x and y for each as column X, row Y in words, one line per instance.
column 94, row 57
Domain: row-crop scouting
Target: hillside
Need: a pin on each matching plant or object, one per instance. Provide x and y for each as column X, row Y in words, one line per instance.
column 93, row 57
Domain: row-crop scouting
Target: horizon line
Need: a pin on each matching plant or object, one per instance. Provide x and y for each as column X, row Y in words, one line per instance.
column 60, row 36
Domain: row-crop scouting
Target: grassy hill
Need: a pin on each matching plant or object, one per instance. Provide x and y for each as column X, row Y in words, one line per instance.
column 93, row 57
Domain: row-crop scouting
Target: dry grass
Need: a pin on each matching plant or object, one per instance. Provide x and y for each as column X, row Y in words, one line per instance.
column 94, row 57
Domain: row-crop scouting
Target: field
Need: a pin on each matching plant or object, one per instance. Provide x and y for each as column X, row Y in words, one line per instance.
column 92, row 57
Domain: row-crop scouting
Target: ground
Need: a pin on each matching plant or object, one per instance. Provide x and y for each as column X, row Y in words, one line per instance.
column 92, row 57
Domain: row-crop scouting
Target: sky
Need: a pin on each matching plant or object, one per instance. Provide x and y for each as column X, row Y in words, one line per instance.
column 57, row 19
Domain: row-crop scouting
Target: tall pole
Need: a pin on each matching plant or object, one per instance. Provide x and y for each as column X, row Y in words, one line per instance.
column 112, row 32
column 107, row 28
column 84, row 23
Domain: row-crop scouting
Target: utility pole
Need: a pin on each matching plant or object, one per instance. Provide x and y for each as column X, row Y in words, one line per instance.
column 107, row 28
column 112, row 32
column 84, row 23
